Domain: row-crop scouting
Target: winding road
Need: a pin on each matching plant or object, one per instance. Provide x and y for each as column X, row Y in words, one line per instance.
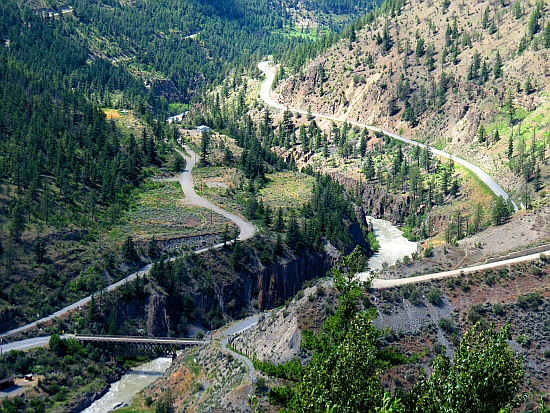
column 265, row 95
column 247, row 231
column 234, row 330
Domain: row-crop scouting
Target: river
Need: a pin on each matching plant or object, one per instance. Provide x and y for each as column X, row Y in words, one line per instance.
column 392, row 245
column 124, row 390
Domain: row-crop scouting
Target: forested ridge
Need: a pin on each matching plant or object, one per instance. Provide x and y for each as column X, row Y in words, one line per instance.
column 67, row 173
column 63, row 168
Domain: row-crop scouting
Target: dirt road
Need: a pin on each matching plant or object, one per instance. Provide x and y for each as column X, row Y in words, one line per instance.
column 381, row 283
column 247, row 231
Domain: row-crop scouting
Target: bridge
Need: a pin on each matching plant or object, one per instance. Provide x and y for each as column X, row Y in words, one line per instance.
column 138, row 346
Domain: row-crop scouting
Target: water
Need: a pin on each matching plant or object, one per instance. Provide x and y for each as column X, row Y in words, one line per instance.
column 393, row 245
column 124, row 390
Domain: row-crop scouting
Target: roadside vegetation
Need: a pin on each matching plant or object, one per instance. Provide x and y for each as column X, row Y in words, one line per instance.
column 348, row 360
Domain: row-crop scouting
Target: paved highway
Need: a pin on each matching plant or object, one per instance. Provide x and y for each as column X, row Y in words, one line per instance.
column 235, row 329
column 27, row 344
column 382, row 283
column 265, row 95
column 247, row 230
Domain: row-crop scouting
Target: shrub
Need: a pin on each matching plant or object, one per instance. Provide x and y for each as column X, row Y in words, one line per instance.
column 439, row 348
column 523, row 339
column 428, row 251
column 387, row 295
column 280, row 395
column 530, row 301
column 447, row 325
column 498, row 309
column 415, row 297
column 320, row 291
column 434, row 296
column 475, row 313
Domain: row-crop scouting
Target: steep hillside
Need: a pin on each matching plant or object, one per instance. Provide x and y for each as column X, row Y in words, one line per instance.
column 425, row 320
column 465, row 76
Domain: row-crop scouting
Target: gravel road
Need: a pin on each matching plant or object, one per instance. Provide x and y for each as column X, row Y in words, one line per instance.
column 247, row 231
column 381, row 283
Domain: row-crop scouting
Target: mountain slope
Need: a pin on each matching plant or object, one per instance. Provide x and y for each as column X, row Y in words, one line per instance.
column 440, row 74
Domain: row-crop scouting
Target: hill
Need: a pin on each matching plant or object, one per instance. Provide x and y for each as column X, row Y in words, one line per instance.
column 467, row 77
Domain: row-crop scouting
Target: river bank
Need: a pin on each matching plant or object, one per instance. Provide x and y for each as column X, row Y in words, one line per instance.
column 123, row 391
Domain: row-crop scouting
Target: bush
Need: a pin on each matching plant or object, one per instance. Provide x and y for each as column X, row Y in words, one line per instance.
column 320, row 291
column 434, row 296
column 498, row 309
column 280, row 395
column 530, row 301
column 447, row 325
column 475, row 313
column 428, row 251
column 415, row 297
column 439, row 348
column 524, row 340
column 547, row 353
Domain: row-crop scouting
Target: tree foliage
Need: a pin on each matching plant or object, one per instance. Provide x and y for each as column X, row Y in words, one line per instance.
column 485, row 376
column 344, row 373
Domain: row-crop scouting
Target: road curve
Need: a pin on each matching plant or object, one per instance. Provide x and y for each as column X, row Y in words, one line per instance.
column 265, row 95
column 247, row 231
column 236, row 329
column 384, row 283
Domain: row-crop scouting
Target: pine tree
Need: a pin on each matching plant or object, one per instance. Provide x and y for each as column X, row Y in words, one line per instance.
column 205, row 145
column 546, row 36
column 153, row 250
column 129, row 252
column 510, row 151
column 481, row 134
column 279, row 223
column 293, row 237
column 17, row 222
column 497, row 68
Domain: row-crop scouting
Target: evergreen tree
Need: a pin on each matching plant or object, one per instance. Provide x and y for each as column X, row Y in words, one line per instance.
column 293, row 236
column 279, row 223
column 510, row 151
column 205, row 147
column 17, row 221
column 500, row 211
column 153, row 250
column 129, row 252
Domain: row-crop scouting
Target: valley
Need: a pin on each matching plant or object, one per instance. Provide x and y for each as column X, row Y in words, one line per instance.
column 358, row 222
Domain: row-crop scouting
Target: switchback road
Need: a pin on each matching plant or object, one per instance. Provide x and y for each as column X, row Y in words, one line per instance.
column 247, row 231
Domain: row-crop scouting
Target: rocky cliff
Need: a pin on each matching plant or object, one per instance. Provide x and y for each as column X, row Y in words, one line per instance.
column 203, row 292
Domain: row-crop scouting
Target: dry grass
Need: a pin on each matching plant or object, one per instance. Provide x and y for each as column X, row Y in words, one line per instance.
column 160, row 211
column 287, row 189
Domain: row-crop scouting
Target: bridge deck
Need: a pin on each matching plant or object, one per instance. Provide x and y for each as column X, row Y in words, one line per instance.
column 135, row 346
column 140, row 340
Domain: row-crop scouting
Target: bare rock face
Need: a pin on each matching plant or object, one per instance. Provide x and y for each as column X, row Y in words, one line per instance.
column 376, row 201
column 158, row 322
column 283, row 279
